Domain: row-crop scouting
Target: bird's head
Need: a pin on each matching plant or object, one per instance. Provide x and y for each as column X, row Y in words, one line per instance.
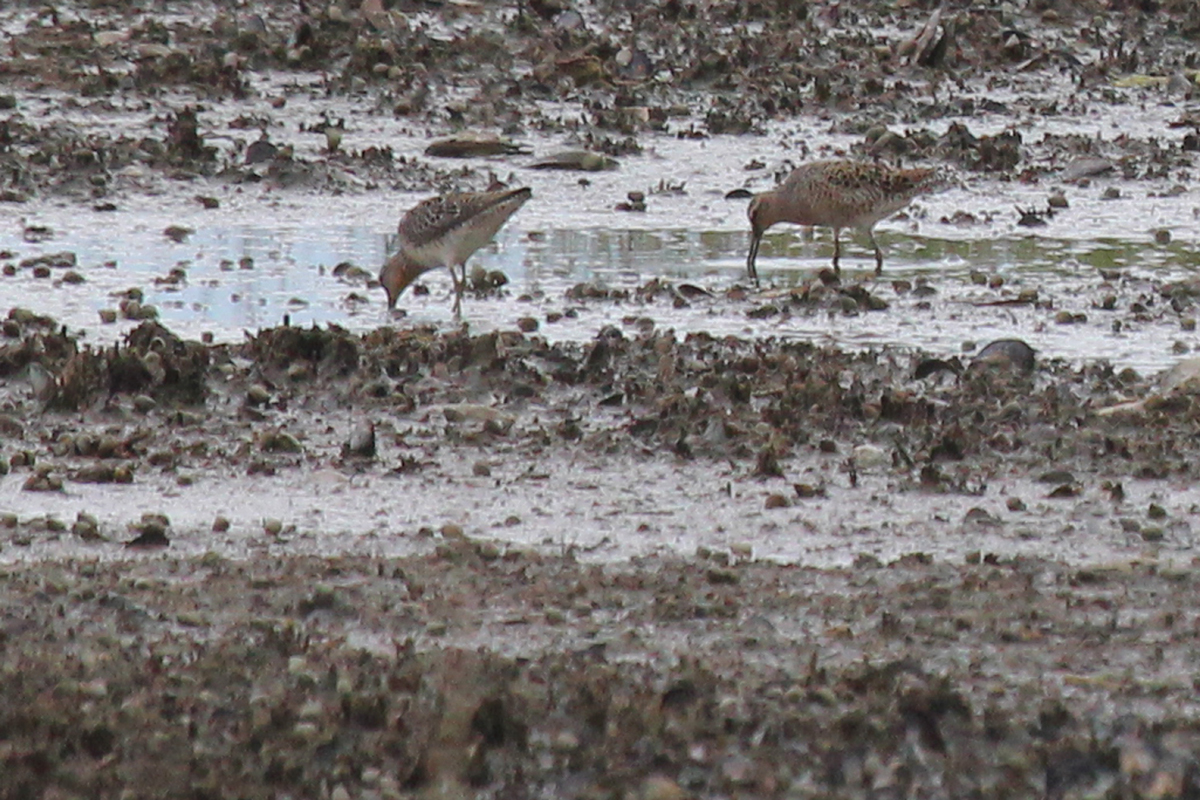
column 397, row 274
column 762, row 216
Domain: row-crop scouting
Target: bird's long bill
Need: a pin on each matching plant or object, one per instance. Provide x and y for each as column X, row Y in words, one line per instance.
column 751, row 268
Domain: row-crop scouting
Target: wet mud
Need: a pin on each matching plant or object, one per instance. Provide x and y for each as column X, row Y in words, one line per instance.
column 483, row 665
column 637, row 561
column 466, row 673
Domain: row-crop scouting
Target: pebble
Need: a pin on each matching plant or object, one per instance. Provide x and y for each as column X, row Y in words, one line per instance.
column 657, row 787
column 86, row 527
column 776, row 501
column 743, row 550
column 362, row 440
column 869, row 456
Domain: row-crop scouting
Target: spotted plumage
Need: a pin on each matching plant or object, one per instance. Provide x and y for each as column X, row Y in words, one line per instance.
column 445, row 231
column 839, row 194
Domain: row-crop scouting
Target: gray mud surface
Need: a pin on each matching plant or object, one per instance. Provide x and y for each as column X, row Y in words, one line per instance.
column 529, row 676
column 417, row 561
column 479, row 665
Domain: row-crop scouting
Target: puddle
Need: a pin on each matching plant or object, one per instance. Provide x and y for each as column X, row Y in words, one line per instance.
column 242, row 277
column 570, row 233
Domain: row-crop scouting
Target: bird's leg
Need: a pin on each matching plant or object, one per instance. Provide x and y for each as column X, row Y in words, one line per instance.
column 878, row 253
column 751, row 266
column 837, row 249
column 458, row 289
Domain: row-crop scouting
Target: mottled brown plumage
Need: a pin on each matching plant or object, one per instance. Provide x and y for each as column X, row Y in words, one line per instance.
column 444, row 232
column 840, row 194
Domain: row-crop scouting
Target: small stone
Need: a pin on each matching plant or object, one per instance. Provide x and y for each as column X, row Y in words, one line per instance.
column 1015, row 504
column 273, row 527
column 151, row 536
column 322, row 598
column 281, row 442
column 868, row 456
column 776, row 500
column 144, row 403
column 220, row 524
column 177, row 233
column 1156, row 511
column 722, row 577
column 108, row 316
column 87, row 527
column 257, row 395
column 657, row 787
column 1162, row 237
column 481, row 469
column 565, row 741
column 452, row 530
column 43, row 482
column 362, row 441
column 527, row 324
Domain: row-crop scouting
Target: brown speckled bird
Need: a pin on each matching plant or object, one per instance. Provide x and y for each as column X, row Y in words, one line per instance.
column 444, row 232
column 840, row 194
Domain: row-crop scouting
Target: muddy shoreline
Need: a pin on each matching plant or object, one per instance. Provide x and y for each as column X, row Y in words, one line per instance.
column 651, row 559
column 469, row 672
column 479, row 665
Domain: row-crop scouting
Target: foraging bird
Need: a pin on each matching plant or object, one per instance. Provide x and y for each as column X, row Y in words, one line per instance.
column 444, row 232
column 840, row 194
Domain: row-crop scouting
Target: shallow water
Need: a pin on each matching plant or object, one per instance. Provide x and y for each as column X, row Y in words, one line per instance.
column 290, row 275
column 570, row 233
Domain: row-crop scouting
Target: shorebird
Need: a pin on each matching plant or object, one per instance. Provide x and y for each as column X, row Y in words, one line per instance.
column 445, row 231
column 840, row 194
